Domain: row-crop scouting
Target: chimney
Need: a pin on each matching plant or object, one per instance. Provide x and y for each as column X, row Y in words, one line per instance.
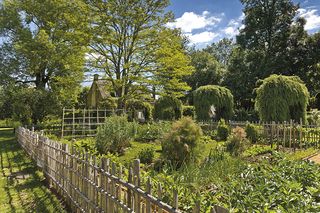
column 95, row 77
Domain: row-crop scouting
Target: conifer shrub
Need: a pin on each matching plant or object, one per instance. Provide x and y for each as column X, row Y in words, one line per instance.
column 206, row 97
column 281, row 98
column 180, row 144
column 237, row 141
column 146, row 155
column 168, row 108
column 223, row 130
column 115, row 135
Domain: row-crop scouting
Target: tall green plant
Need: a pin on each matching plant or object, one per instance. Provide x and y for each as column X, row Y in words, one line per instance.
column 281, row 98
column 115, row 135
column 167, row 108
column 179, row 145
column 209, row 96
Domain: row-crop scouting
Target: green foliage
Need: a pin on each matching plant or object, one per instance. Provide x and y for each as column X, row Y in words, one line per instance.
column 115, row 135
column 50, row 41
column 252, row 132
column 179, row 145
column 152, row 131
column 173, row 64
column 87, row 144
column 223, row 130
column 188, row 111
column 211, row 95
column 208, row 70
column 313, row 117
column 243, row 114
column 167, row 108
column 256, row 150
column 138, row 105
column 237, row 141
column 281, row 98
column 285, row 186
column 146, row 155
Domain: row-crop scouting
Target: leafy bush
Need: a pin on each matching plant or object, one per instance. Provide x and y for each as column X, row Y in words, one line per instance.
column 252, row 132
column 222, row 130
column 188, row 111
column 146, row 155
column 180, row 143
column 313, row 117
column 87, row 144
column 152, row 131
column 167, row 108
column 115, row 134
column 237, row 141
column 219, row 97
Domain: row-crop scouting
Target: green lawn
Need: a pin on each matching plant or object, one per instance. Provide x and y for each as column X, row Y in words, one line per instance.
column 22, row 186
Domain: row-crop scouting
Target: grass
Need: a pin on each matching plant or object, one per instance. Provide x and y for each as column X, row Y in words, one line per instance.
column 22, row 187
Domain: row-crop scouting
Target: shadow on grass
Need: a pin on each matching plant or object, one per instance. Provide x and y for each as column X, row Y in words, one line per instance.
column 24, row 188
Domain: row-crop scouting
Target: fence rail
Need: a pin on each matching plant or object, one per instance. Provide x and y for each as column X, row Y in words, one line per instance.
column 91, row 185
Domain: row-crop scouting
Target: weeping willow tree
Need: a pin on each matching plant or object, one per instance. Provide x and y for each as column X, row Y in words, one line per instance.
column 281, row 98
column 167, row 108
column 213, row 102
column 138, row 105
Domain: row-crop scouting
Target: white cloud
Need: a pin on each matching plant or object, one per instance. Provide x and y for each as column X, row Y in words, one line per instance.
column 190, row 21
column 233, row 26
column 203, row 37
column 311, row 16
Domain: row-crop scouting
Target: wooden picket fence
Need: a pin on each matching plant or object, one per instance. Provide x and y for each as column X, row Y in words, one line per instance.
column 290, row 134
column 88, row 184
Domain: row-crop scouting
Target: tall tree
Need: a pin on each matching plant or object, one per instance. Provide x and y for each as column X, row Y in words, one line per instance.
column 221, row 50
column 173, row 64
column 45, row 41
column 125, row 42
column 207, row 69
column 267, row 28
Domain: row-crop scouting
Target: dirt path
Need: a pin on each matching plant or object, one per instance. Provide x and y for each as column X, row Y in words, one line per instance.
column 22, row 187
column 315, row 158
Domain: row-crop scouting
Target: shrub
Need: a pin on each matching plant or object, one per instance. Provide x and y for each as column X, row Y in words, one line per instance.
column 167, row 108
column 152, row 131
column 115, row 134
column 188, row 111
column 179, row 145
column 222, row 130
column 138, row 105
column 281, row 98
column 252, row 132
column 237, row 141
column 219, row 97
column 146, row 155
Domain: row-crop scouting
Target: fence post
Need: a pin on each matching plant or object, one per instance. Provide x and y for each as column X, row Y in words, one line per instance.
column 300, row 133
column 175, row 199
column 62, row 125
column 290, row 134
column 148, row 190
column 159, row 195
column 136, row 173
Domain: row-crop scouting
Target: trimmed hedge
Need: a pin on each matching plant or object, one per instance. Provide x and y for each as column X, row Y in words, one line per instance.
column 212, row 95
column 281, row 98
column 167, row 108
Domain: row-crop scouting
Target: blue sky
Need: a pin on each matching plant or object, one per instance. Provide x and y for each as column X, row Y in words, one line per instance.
column 207, row 21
